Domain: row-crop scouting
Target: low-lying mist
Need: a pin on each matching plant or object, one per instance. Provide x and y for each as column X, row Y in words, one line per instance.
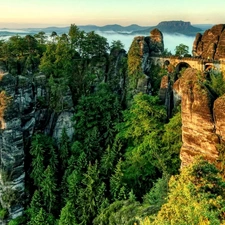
column 170, row 41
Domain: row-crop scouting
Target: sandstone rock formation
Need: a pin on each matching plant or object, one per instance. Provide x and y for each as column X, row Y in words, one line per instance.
column 166, row 94
column 198, row 128
column 139, row 57
column 210, row 45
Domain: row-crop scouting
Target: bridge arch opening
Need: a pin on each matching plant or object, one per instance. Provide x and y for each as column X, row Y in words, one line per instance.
column 182, row 65
column 208, row 66
column 166, row 63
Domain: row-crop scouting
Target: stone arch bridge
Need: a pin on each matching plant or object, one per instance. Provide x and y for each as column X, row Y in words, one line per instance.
column 184, row 62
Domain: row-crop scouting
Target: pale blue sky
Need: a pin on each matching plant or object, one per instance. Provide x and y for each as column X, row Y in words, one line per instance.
column 42, row 13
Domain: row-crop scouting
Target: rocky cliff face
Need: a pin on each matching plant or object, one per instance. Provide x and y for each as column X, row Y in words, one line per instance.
column 23, row 115
column 210, row 45
column 202, row 118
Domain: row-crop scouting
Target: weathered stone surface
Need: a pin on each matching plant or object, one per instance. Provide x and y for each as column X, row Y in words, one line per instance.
column 143, row 84
column 164, row 88
column 64, row 120
column 116, row 76
column 197, row 45
column 219, row 116
column 198, row 129
column 27, row 112
column 166, row 94
column 220, row 50
column 210, row 45
column 12, row 172
column 156, row 44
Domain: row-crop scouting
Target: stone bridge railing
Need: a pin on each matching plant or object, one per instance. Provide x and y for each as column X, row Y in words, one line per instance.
column 197, row 63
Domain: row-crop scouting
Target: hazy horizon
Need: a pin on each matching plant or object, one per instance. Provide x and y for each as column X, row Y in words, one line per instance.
column 42, row 13
column 27, row 26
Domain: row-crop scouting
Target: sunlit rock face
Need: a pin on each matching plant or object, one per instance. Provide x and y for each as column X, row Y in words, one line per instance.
column 156, row 44
column 198, row 129
column 210, row 45
column 164, row 88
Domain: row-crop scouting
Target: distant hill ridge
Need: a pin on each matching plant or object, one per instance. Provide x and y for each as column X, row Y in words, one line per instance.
column 170, row 27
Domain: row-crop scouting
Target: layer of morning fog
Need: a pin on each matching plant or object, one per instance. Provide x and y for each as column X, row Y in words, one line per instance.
column 170, row 41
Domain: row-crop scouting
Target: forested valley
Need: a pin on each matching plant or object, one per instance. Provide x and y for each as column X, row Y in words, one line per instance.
column 121, row 165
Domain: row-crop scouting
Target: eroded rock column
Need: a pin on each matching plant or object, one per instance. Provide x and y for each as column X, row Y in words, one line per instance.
column 198, row 129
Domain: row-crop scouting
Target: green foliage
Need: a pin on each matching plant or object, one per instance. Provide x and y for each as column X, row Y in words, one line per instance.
column 196, row 196
column 64, row 149
column 140, row 131
column 18, row 221
column 134, row 64
column 95, row 119
column 3, row 213
column 40, row 219
column 67, row 215
column 35, row 205
column 172, row 140
column 166, row 52
column 117, row 186
column 48, row 188
column 181, row 50
column 115, row 158
column 116, row 45
column 156, row 75
column 217, row 82
column 21, row 55
column 9, row 196
column 91, row 196
column 122, row 212
column 108, row 159
column 158, row 194
column 43, row 153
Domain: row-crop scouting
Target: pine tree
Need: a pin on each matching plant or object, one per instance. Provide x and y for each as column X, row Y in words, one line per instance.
column 91, row 196
column 37, row 153
column 49, row 189
column 64, row 149
column 36, row 204
column 40, row 218
column 117, row 186
column 67, row 215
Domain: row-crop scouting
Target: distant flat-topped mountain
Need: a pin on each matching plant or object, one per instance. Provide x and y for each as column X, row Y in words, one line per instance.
column 174, row 27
